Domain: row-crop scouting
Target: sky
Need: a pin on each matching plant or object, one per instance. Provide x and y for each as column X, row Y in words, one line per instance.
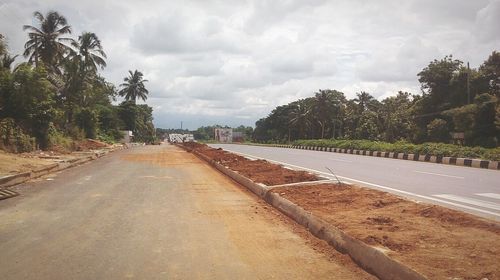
column 231, row 62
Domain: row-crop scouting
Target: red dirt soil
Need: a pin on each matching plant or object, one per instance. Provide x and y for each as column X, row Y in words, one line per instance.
column 90, row 144
column 438, row 242
column 259, row 171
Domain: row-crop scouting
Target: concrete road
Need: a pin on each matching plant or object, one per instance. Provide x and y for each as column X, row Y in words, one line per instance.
column 154, row 212
column 473, row 190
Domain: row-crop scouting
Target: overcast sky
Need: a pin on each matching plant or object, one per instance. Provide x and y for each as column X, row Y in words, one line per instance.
column 232, row 62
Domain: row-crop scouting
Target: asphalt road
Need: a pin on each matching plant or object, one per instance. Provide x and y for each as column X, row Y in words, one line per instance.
column 472, row 190
column 154, row 212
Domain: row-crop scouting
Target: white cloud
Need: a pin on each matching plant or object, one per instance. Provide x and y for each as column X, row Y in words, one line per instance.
column 219, row 61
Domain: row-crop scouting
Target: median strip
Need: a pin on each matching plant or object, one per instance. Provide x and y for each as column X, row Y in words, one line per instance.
column 389, row 236
column 467, row 162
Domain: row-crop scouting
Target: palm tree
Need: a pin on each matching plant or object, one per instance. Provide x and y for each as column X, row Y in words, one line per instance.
column 6, row 61
column 363, row 99
column 3, row 45
column 133, row 87
column 90, row 52
column 45, row 43
column 299, row 117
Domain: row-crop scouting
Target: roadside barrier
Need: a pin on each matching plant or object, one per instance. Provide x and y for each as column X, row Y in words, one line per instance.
column 11, row 180
column 469, row 162
column 371, row 259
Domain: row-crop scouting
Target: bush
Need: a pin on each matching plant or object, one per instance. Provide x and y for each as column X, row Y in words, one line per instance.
column 57, row 140
column 13, row 139
column 436, row 149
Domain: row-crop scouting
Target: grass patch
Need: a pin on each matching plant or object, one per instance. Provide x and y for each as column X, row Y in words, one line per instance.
column 435, row 149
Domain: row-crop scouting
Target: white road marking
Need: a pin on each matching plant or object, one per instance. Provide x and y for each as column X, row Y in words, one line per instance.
column 430, row 198
column 341, row 160
column 490, row 195
column 472, row 201
column 156, row 177
column 438, row 174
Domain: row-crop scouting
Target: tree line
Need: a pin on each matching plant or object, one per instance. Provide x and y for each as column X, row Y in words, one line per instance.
column 57, row 94
column 206, row 133
column 456, row 104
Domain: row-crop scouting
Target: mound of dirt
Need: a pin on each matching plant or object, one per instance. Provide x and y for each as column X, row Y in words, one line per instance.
column 259, row 171
column 438, row 242
column 90, row 144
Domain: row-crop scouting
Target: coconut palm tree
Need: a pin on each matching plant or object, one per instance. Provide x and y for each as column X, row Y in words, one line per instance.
column 133, row 87
column 6, row 61
column 299, row 117
column 46, row 43
column 90, row 52
column 3, row 45
column 363, row 100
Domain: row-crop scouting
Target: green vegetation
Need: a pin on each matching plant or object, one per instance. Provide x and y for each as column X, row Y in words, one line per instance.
column 58, row 95
column 437, row 149
column 205, row 134
column 455, row 101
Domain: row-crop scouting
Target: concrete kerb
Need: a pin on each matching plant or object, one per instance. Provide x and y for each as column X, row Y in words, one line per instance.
column 371, row 259
column 478, row 163
column 44, row 170
column 257, row 188
column 11, row 180
column 303, row 184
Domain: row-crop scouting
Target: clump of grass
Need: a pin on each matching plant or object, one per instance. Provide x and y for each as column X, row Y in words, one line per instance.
column 435, row 149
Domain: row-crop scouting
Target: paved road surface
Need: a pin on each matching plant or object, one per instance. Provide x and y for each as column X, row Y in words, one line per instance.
column 154, row 213
column 473, row 190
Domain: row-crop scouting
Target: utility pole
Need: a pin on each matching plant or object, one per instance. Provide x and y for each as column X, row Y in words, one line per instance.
column 181, row 125
column 468, row 83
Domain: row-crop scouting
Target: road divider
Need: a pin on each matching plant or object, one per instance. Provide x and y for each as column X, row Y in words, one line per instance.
column 15, row 179
column 372, row 259
column 468, row 162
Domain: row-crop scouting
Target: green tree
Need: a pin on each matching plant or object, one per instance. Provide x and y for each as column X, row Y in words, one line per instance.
column 46, row 43
column 6, row 61
column 490, row 73
column 486, row 130
column 365, row 101
column 3, row 45
column 327, row 108
column 299, row 118
column 30, row 100
column 134, row 88
column 438, row 130
column 368, row 126
column 396, row 118
column 145, row 130
column 90, row 52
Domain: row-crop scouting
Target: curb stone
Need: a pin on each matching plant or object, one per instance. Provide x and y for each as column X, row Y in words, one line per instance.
column 371, row 259
column 11, row 180
column 467, row 162
column 4, row 194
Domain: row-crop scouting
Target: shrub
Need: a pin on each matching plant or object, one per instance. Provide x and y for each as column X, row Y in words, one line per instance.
column 436, row 149
column 57, row 140
column 13, row 138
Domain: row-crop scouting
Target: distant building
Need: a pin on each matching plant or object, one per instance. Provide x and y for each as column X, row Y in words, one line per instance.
column 180, row 138
column 238, row 136
column 127, row 136
column 223, row 135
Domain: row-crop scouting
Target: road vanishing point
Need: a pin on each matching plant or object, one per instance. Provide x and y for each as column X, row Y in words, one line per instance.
column 155, row 212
